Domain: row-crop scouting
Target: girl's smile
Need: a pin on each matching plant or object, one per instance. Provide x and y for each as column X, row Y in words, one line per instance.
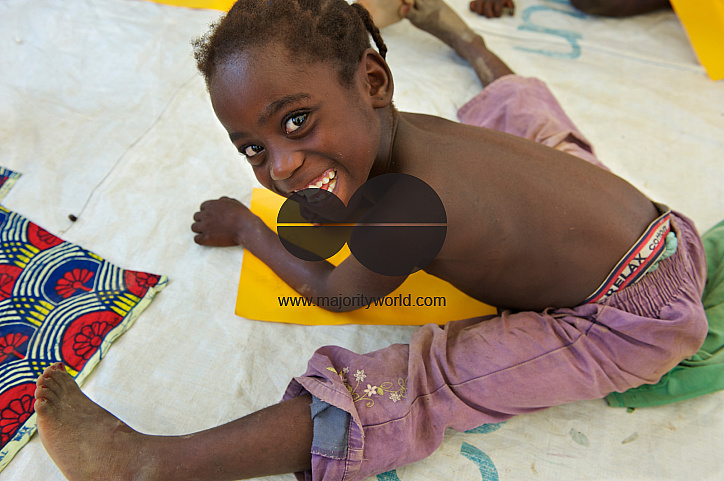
column 296, row 124
column 327, row 181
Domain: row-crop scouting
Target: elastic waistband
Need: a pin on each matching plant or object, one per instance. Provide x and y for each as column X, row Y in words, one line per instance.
column 644, row 254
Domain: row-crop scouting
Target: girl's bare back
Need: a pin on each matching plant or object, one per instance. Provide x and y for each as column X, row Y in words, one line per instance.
column 528, row 226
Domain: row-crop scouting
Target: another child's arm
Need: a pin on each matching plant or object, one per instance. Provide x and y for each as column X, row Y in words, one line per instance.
column 228, row 222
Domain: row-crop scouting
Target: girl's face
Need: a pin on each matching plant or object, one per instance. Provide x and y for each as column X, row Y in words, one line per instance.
column 295, row 123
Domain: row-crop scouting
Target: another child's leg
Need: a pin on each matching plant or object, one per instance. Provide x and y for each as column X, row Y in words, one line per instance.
column 619, row 8
column 438, row 19
column 88, row 443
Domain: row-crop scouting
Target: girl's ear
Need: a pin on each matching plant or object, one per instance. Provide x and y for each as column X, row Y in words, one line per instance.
column 378, row 78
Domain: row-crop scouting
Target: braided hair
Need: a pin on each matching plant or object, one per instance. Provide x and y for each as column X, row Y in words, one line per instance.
column 317, row 30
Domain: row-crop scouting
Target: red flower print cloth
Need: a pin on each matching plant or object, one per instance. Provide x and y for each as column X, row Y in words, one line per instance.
column 58, row 302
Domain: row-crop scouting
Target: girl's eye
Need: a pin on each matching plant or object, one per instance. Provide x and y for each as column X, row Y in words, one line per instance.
column 294, row 122
column 251, row 150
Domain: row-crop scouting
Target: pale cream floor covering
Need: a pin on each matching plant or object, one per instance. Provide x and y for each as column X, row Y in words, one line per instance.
column 103, row 112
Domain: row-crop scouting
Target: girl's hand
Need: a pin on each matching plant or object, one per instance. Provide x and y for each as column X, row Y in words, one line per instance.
column 222, row 222
column 492, row 8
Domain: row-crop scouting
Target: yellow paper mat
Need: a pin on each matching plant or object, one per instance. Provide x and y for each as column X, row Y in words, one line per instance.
column 704, row 23
column 223, row 5
column 421, row 299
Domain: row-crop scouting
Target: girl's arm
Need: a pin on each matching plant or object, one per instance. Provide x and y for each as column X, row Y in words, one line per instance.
column 228, row 222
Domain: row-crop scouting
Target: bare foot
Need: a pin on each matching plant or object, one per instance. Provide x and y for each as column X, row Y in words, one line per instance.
column 492, row 8
column 84, row 440
column 88, row 443
column 386, row 12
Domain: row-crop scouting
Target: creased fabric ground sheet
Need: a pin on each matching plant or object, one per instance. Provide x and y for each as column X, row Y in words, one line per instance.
column 58, row 302
column 104, row 113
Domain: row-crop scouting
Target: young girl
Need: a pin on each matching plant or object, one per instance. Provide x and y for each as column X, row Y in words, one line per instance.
column 600, row 287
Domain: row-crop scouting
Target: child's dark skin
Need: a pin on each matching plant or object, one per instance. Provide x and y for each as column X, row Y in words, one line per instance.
column 528, row 227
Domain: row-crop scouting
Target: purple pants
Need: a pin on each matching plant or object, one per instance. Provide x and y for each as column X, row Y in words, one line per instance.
column 488, row 369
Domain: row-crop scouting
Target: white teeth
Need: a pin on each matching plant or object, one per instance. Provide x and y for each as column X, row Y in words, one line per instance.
column 327, row 183
column 325, row 180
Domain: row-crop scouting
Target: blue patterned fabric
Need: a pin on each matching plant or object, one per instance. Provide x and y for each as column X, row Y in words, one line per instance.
column 58, row 302
column 7, row 179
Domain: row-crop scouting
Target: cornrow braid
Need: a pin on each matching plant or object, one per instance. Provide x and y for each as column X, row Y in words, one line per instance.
column 316, row 30
column 371, row 28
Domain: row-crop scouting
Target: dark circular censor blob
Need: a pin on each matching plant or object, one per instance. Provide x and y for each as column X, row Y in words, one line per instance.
column 395, row 224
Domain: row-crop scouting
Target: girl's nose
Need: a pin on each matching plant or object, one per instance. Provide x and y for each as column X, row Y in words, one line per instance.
column 285, row 164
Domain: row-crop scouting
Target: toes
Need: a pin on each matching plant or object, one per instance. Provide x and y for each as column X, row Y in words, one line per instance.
column 47, row 393
column 46, row 387
column 54, row 389
column 56, row 366
column 56, row 379
column 65, row 381
column 497, row 9
column 45, row 379
column 42, row 391
column 45, row 402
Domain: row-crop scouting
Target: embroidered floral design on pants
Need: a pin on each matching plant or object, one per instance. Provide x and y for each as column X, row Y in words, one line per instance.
column 372, row 390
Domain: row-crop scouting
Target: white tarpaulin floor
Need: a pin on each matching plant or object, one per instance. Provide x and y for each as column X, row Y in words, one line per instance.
column 104, row 114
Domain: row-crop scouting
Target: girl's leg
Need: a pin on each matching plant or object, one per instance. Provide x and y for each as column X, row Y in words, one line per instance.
column 398, row 401
column 88, row 443
column 402, row 398
column 525, row 107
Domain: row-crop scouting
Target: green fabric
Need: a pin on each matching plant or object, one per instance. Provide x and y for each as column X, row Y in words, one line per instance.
column 702, row 373
column 670, row 244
